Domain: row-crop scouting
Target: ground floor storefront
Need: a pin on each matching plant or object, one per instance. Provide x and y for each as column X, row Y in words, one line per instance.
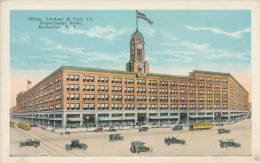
column 115, row 118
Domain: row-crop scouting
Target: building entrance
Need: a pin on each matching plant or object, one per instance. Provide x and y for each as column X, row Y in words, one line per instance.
column 183, row 118
column 218, row 117
column 141, row 118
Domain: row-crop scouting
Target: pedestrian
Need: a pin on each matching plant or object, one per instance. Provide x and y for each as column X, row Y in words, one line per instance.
column 60, row 133
column 51, row 130
column 71, row 127
column 54, row 129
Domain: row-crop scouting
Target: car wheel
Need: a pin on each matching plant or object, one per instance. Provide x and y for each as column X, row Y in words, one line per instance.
column 225, row 145
column 115, row 130
column 138, row 151
column 168, row 143
column 183, row 143
column 35, row 145
column 181, row 128
column 68, row 148
column 20, row 145
column 229, row 132
column 84, row 147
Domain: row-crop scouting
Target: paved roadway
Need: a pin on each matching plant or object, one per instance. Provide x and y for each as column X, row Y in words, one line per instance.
column 202, row 142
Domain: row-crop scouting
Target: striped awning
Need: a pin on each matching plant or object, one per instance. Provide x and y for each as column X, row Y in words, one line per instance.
column 202, row 116
column 75, row 119
column 164, row 117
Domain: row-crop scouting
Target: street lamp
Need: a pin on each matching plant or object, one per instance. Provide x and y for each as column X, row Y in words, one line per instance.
column 122, row 121
column 87, row 122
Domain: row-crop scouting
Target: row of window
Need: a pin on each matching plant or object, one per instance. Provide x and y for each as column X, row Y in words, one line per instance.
column 210, row 79
column 90, row 106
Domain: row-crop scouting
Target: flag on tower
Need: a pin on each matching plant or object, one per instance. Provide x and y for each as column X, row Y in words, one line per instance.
column 140, row 15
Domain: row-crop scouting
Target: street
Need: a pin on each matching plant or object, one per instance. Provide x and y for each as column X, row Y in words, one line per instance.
column 198, row 143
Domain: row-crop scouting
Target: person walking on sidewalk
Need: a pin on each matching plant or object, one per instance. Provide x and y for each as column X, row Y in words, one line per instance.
column 60, row 133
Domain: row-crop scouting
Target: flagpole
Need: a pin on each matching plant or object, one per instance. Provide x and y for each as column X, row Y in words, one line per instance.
column 136, row 21
column 28, row 84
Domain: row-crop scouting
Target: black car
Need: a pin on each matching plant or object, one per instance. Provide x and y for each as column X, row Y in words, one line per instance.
column 177, row 127
column 143, row 129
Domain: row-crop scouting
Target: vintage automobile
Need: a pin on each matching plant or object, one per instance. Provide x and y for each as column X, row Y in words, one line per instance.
column 155, row 126
column 75, row 144
column 222, row 130
column 177, row 127
column 30, row 142
column 100, row 129
column 143, row 129
column 67, row 133
column 174, row 140
column 114, row 137
column 111, row 129
column 229, row 143
column 219, row 124
column 137, row 147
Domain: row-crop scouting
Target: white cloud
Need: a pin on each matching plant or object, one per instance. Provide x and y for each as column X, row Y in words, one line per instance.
column 107, row 32
column 236, row 35
column 23, row 38
column 46, row 41
column 53, row 46
column 170, row 36
column 204, row 51
column 149, row 31
column 92, row 57
column 200, row 47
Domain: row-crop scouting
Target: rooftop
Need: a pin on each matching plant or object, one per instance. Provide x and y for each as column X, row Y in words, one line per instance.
column 136, row 33
column 220, row 73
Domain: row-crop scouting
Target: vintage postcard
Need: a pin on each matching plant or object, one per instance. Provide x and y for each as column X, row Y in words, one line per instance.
column 166, row 83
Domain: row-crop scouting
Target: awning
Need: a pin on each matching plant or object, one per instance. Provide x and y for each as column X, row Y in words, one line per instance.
column 75, row 119
column 115, row 118
column 233, row 115
column 55, row 119
column 129, row 118
column 225, row 116
column 202, row 116
column 164, row 117
column 30, row 117
column 42, row 117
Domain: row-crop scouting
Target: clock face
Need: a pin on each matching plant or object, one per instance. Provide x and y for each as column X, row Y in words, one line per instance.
column 132, row 47
column 139, row 46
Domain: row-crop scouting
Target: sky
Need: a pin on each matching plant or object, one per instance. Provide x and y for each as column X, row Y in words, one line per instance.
column 178, row 42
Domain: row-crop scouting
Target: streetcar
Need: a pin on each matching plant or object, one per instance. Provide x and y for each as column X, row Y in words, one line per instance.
column 11, row 123
column 200, row 125
column 23, row 125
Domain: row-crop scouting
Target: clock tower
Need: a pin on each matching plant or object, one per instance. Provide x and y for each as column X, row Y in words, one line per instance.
column 137, row 61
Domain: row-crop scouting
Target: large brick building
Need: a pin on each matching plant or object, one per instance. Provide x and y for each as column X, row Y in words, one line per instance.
column 78, row 96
